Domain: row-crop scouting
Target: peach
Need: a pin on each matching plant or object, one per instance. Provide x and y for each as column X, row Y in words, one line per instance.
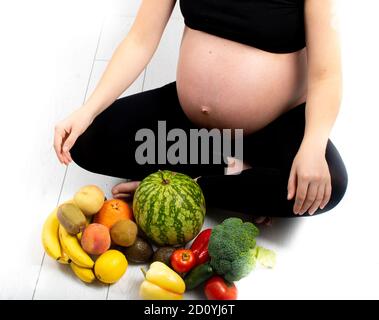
column 96, row 239
column 89, row 199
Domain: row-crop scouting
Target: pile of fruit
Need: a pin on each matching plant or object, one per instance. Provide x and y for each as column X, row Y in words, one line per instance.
column 80, row 232
column 98, row 237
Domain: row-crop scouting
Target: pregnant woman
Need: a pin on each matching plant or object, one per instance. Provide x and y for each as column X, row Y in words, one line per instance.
column 269, row 67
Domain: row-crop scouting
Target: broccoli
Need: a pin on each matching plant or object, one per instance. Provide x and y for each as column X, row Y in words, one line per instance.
column 231, row 248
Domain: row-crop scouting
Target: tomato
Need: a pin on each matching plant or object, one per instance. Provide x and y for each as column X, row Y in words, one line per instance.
column 183, row 260
column 216, row 288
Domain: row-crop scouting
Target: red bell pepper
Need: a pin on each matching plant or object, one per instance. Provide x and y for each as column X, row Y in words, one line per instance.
column 200, row 246
column 216, row 288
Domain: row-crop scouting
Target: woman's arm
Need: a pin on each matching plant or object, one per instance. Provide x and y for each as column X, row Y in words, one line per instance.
column 133, row 54
column 324, row 71
column 310, row 177
column 127, row 63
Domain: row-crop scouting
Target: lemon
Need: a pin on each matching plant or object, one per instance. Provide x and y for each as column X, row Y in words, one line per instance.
column 110, row 266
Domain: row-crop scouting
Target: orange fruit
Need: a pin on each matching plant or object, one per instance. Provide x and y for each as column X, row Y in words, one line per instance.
column 112, row 211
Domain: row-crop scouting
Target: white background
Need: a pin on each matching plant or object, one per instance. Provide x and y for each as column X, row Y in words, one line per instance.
column 53, row 52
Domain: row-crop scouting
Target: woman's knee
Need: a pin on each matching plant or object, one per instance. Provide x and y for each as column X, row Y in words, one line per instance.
column 339, row 182
column 339, row 186
column 82, row 153
column 90, row 147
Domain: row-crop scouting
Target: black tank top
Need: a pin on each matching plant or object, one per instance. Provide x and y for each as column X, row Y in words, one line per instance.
column 271, row 25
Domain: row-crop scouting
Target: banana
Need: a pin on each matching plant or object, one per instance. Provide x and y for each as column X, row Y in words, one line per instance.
column 84, row 274
column 50, row 239
column 64, row 259
column 72, row 247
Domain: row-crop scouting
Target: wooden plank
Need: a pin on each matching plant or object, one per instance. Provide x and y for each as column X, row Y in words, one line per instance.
column 98, row 69
column 117, row 7
column 116, row 27
column 162, row 68
column 75, row 54
column 177, row 13
column 35, row 86
column 130, row 7
column 118, row 24
column 68, row 286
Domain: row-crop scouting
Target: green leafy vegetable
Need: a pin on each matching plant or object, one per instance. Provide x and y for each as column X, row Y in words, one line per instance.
column 231, row 248
column 265, row 257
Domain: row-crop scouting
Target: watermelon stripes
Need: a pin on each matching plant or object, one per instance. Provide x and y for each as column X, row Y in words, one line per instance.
column 169, row 207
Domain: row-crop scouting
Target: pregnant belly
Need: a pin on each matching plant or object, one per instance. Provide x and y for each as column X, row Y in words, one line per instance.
column 225, row 84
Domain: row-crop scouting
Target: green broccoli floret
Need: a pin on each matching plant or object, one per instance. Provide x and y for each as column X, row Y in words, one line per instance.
column 231, row 248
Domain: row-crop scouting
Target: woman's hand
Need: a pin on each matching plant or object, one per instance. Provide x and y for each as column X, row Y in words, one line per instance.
column 68, row 130
column 309, row 180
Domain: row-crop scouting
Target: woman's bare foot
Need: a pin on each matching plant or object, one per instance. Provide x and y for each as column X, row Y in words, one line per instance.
column 236, row 166
column 125, row 189
column 265, row 221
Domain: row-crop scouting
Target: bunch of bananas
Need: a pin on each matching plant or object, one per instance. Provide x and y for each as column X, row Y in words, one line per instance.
column 66, row 248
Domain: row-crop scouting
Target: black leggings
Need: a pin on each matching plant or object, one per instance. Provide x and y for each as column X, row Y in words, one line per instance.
column 108, row 147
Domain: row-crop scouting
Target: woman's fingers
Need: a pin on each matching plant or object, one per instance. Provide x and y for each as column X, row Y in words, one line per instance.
column 320, row 196
column 57, row 148
column 310, row 198
column 123, row 196
column 69, row 143
column 125, row 188
column 301, row 194
column 58, row 138
column 291, row 187
column 63, row 142
column 327, row 194
column 68, row 157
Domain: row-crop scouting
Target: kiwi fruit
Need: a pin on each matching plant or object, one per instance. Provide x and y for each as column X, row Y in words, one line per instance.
column 71, row 218
column 124, row 233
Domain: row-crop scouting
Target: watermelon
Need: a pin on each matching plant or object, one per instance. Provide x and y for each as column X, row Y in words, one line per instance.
column 169, row 207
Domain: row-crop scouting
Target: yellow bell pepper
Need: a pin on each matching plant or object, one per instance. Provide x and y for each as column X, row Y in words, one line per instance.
column 162, row 283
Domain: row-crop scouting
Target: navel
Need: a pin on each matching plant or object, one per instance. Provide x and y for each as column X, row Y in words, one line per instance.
column 204, row 110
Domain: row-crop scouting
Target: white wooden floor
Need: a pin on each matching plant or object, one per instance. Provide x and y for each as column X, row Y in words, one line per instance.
column 51, row 56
